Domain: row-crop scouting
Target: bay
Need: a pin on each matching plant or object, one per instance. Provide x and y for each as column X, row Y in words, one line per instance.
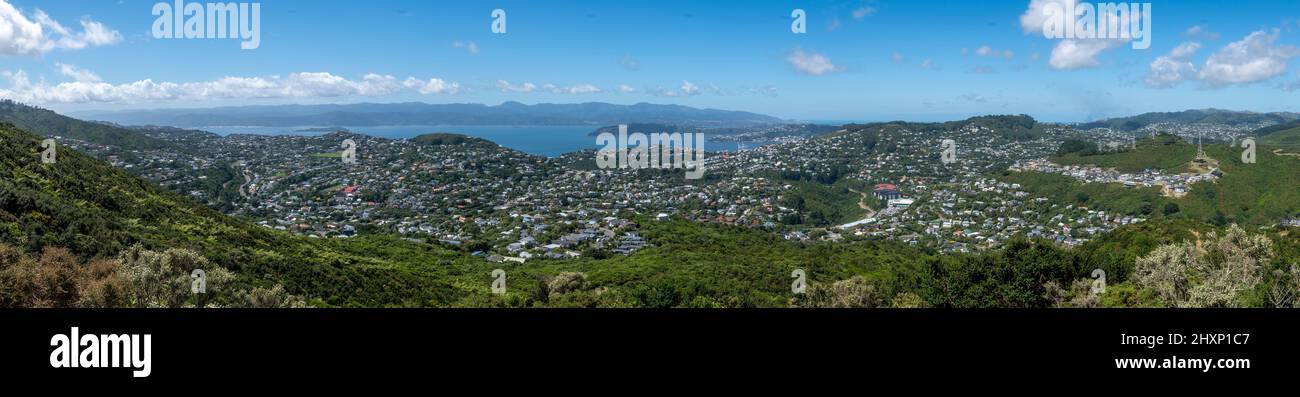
column 548, row 140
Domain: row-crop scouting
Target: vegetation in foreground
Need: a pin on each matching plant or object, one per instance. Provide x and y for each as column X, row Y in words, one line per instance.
column 80, row 233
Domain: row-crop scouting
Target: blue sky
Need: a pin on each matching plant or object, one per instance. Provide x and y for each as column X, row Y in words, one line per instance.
column 859, row 60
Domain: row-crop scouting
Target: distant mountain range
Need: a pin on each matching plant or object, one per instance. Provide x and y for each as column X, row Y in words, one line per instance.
column 1209, row 116
column 414, row 113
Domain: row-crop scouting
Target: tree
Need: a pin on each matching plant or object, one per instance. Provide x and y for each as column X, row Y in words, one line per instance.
column 855, row 292
column 1212, row 274
column 1172, row 208
column 57, row 279
column 165, row 279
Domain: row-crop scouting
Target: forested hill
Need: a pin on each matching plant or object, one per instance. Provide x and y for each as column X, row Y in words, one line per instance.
column 1016, row 128
column 97, row 211
column 50, row 124
column 1212, row 116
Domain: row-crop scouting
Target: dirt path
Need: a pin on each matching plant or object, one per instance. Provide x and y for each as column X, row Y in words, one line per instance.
column 862, row 203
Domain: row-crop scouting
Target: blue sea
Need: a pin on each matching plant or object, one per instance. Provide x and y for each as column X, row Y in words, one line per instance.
column 549, row 140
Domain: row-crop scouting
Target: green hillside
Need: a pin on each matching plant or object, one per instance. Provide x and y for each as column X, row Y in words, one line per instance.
column 97, row 211
column 49, row 124
column 1286, row 139
column 1251, row 194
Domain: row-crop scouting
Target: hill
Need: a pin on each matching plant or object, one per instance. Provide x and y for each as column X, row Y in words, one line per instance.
column 1259, row 194
column 414, row 113
column 1008, row 127
column 1286, row 136
column 97, row 211
column 50, row 124
column 1208, row 116
column 448, row 139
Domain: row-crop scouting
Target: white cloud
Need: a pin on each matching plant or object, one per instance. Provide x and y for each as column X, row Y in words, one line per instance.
column 689, row 89
column 626, row 89
column 1079, row 54
column 576, row 89
column 77, row 74
column 505, row 86
column 1033, row 19
column 928, row 64
column 431, row 86
column 470, row 46
column 296, row 85
column 863, row 12
column 1252, row 59
column 1169, row 70
column 20, row 35
column 1199, row 31
column 1185, row 50
column 811, row 63
column 1068, row 53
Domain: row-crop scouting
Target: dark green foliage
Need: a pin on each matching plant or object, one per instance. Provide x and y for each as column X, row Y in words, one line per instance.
column 49, row 124
column 1076, row 146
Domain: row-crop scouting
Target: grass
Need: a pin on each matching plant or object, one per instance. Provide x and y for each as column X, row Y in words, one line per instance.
column 1251, row 194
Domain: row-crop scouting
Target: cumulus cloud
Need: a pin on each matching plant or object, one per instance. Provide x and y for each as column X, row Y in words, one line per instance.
column 626, row 89
column 21, row 35
column 689, row 89
column 811, row 63
column 1033, row 19
column 431, row 86
column 1068, row 53
column 505, row 86
column 85, row 89
column 77, row 74
column 1252, row 59
column 1079, row 54
column 470, row 46
column 1169, row 70
column 575, row 89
